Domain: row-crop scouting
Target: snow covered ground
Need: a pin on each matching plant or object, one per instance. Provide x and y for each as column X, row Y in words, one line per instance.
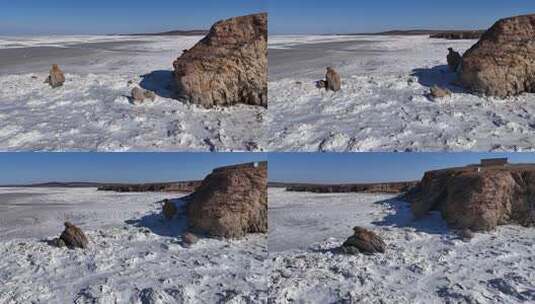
column 424, row 261
column 91, row 111
column 135, row 255
column 383, row 105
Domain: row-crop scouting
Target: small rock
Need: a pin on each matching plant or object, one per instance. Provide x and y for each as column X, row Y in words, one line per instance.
column 454, row 60
column 332, row 79
column 189, row 239
column 34, row 77
column 73, row 236
column 438, row 92
column 298, row 83
column 363, row 241
column 149, row 95
column 169, row 209
column 56, row 77
column 138, row 94
column 466, row 234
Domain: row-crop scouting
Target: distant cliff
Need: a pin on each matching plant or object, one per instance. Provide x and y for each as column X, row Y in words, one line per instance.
column 458, row 35
column 394, row 187
column 186, row 186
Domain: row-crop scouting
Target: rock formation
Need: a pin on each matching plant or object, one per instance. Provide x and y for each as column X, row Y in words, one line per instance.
column 169, row 209
column 478, row 198
column 332, row 80
column 458, row 35
column 73, row 236
column 363, row 241
column 501, row 63
column 185, row 186
column 454, row 60
column 231, row 202
column 228, row 66
column 55, row 78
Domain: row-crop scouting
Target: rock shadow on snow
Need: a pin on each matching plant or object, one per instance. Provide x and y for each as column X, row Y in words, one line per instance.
column 440, row 76
column 161, row 82
column 158, row 224
column 402, row 217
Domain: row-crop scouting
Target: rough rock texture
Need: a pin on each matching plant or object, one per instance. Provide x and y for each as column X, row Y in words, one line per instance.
column 139, row 95
column 458, row 35
column 438, row 92
column 169, row 209
column 231, row 202
column 502, row 63
column 333, row 81
column 454, row 60
column 478, row 198
column 189, row 239
column 56, row 77
column 394, row 187
column 363, row 241
column 73, row 236
column 228, row 66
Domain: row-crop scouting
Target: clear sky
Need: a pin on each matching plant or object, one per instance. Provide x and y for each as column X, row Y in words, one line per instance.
column 371, row 167
column 346, row 16
column 117, row 16
column 24, row 168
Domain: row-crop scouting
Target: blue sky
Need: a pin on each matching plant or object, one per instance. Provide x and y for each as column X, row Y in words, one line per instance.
column 17, row 168
column 371, row 167
column 116, row 16
column 345, row 16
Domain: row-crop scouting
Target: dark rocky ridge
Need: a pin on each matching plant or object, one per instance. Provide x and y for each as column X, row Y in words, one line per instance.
column 458, row 35
column 444, row 34
column 478, row 198
column 186, row 186
column 393, row 187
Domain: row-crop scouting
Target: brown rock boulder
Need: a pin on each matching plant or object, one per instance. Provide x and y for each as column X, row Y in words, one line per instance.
column 363, row 241
column 56, row 77
column 478, row 198
column 73, row 236
column 438, row 92
column 502, row 62
column 228, row 66
column 231, row 202
column 169, row 209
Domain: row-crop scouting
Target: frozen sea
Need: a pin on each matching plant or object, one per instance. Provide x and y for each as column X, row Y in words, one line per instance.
column 383, row 104
column 134, row 255
column 424, row 261
column 92, row 111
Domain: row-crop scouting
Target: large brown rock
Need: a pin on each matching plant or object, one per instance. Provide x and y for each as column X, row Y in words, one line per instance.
column 231, row 202
column 228, row 66
column 478, row 198
column 502, row 63
column 73, row 236
column 363, row 241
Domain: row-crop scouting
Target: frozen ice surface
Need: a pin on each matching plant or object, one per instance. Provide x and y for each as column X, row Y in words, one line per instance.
column 92, row 111
column 383, row 105
column 424, row 261
column 134, row 256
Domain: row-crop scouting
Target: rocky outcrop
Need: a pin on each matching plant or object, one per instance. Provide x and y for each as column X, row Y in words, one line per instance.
column 363, row 241
column 231, row 202
column 228, row 66
column 395, row 187
column 478, row 198
column 73, row 237
column 55, row 78
column 186, row 186
column 501, row 63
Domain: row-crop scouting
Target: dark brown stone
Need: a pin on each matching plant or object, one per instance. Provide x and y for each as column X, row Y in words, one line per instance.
column 56, row 77
column 169, row 209
column 332, row 80
column 73, row 236
column 365, row 241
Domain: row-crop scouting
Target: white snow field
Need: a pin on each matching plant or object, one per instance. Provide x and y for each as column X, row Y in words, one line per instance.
column 424, row 261
column 383, row 104
column 135, row 256
column 92, row 111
